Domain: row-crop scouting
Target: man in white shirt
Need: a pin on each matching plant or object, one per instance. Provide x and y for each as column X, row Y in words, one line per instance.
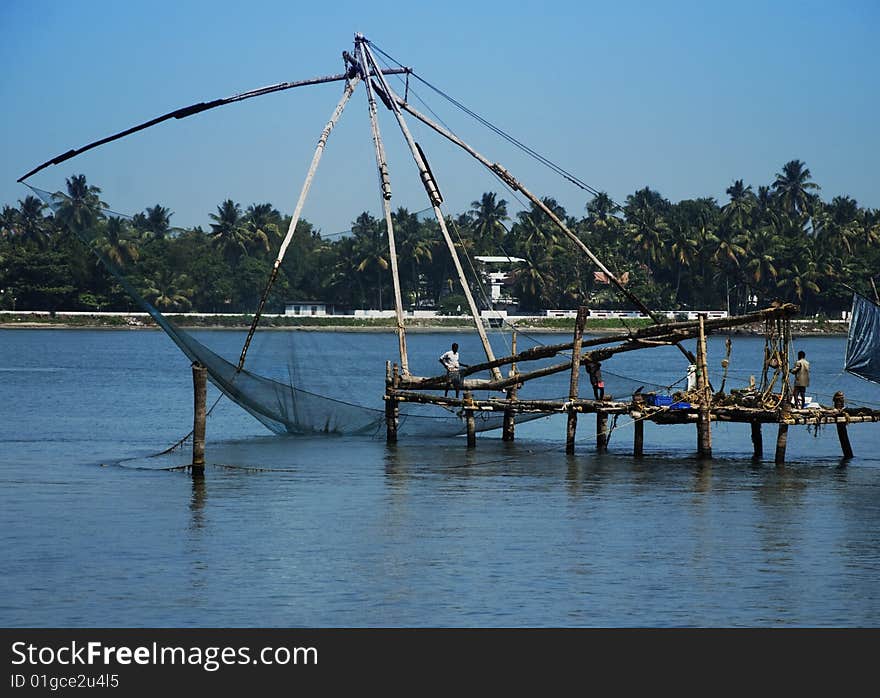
column 449, row 361
column 801, row 379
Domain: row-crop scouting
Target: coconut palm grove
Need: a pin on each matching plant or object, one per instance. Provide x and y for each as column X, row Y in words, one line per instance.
column 779, row 240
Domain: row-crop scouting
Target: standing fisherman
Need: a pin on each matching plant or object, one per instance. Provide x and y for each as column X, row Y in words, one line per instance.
column 449, row 361
column 594, row 369
column 801, row 372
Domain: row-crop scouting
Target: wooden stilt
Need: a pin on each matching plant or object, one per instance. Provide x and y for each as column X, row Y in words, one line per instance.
column 601, row 430
column 757, row 441
column 470, row 422
column 704, row 425
column 392, row 405
column 571, row 426
column 639, row 438
column 507, row 431
column 508, row 428
column 842, row 434
column 200, row 391
column 781, row 443
column 570, row 430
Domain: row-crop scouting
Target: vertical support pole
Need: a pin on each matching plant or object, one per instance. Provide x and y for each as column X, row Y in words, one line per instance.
column 392, row 409
column 507, row 431
column 704, row 428
column 571, row 426
column 781, row 443
column 757, row 441
column 601, row 430
column 639, row 438
column 470, row 421
column 638, row 415
column 842, row 435
column 200, row 392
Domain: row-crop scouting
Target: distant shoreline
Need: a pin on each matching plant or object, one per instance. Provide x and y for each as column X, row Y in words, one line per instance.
column 800, row 328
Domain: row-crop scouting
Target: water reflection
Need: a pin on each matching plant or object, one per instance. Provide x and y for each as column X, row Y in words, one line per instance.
column 197, row 502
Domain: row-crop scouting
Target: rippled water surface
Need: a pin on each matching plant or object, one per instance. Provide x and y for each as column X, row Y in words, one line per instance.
column 340, row 531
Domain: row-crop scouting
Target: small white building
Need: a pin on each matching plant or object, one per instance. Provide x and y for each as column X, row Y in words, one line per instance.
column 496, row 270
column 307, row 308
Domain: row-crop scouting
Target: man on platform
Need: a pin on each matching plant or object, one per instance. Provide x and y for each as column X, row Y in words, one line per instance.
column 801, row 372
column 450, row 362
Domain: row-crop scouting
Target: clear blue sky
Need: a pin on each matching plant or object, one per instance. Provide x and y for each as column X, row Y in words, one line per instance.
column 682, row 96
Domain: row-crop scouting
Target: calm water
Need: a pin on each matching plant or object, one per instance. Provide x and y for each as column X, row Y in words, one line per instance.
column 337, row 531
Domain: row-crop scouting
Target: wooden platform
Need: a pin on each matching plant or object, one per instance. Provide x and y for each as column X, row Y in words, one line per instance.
column 767, row 403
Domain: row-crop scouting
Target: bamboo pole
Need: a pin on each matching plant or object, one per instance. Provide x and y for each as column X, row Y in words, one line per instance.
column 316, row 158
column 571, row 425
column 435, row 199
column 385, row 182
column 200, row 391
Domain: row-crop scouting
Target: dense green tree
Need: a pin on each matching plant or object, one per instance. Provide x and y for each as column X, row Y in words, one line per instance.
column 772, row 241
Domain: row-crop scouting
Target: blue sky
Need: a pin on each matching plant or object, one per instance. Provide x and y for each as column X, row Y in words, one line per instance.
column 682, row 96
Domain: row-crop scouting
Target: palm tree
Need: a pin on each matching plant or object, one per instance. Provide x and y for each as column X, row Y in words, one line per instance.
column 737, row 213
column 168, row 290
column 683, row 250
column 534, row 229
column 839, row 224
column 157, row 221
column 413, row 247
column 646, row 225
column 264, row 223
column 793, row 188
column 31, row 222
column 533, row 283
column 341, row 271
column 371, row 248
column 8, row 222
column 82, row 207
column 117, row 242
column 488, row 221
column 230, row 232
column 762, row 251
